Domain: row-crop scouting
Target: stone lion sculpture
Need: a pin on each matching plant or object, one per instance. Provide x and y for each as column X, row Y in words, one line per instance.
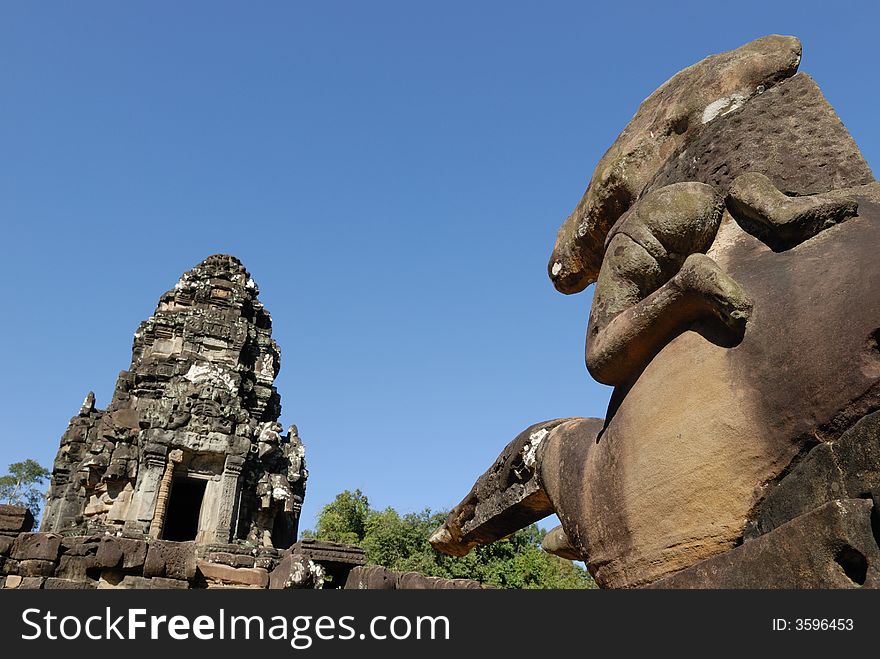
column 732, row 233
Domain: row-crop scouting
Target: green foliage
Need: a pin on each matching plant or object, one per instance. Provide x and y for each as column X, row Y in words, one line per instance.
column 400, row 542
column 344, row 520
column 20, row 486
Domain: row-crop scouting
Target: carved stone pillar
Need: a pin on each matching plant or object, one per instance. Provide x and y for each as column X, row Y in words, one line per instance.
column 143, row 503
column 158, row 521
column 228, row 507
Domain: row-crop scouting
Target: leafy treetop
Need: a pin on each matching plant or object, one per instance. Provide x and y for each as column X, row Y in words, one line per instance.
column 400, row 542
column 20, row 486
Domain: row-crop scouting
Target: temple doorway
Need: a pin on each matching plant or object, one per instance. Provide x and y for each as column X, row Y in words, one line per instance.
column 184, row 509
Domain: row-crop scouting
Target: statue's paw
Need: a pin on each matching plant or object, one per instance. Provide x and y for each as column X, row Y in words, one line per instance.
column 725, row 298
column 782, row 221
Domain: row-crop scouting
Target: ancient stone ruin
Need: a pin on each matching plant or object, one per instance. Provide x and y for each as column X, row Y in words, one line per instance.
column 190, row 447
column 185, row 480
column 185, row 477
column 732, row 232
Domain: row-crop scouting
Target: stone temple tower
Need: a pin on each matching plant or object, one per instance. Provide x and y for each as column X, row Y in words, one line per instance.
column 190, row 448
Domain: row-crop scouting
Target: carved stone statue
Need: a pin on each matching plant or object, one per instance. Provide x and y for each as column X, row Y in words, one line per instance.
column 731, row 231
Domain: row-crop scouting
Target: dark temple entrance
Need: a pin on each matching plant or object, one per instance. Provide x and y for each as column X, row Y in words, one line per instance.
column 184, row 507
column 283, row 535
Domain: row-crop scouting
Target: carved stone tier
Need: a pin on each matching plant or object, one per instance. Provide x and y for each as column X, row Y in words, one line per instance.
column 189, row 448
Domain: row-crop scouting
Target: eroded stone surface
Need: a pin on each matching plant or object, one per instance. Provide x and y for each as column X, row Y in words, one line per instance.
column 124, row 553
column 691, row 99
column 705, row 422
column 779, row 220
column 376, row 577
column 175, row 560
column 790, row 133
column 54, row 583
column 42, row 546
column 845, row 468
column 247, row 577
column 830, row 547
column 196, row 412
column 689, row 448
column 15, row 519
column 295, row 572
column 656, row 278
column 558, row 544
column 505, row 498
column 692, row 443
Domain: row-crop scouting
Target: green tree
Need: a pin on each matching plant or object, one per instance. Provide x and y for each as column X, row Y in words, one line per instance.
column 20, row 486
column 344, row 520
column 400, row 542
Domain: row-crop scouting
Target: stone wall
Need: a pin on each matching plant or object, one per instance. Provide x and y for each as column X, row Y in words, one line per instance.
column 51, row 561
column 376, row 577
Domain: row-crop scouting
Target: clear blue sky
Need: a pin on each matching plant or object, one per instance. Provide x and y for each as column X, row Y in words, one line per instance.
column 392, row 174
